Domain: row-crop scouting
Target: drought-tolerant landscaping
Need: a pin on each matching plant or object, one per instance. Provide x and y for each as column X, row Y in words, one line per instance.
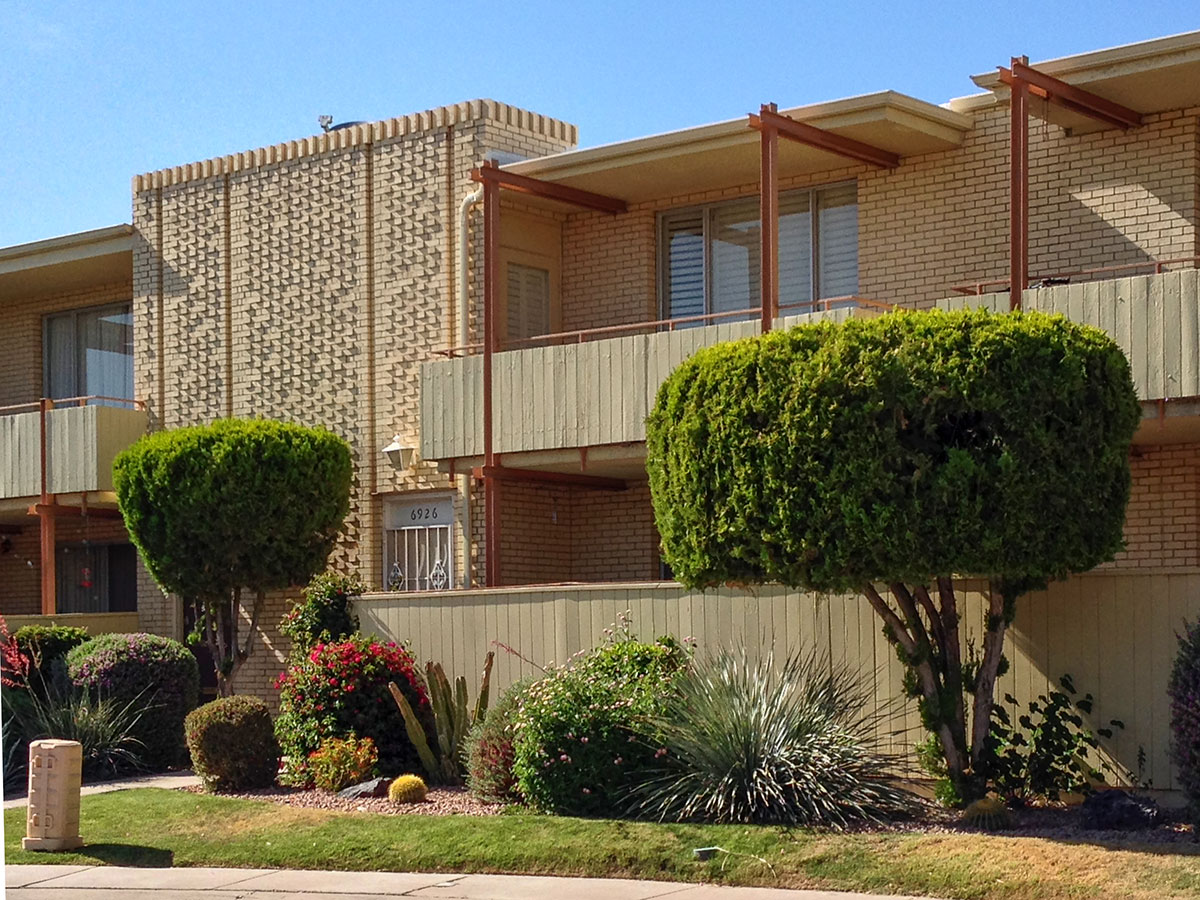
column 150, row 827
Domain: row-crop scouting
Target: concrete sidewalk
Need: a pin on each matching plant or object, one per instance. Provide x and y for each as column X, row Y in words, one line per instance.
column 110, row 883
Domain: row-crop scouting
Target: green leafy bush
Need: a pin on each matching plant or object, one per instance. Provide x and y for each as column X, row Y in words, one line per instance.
column 158, row 673
column 575, row 743
column 238, row 506
column 743, row 741
column 1184, row 693
column 885, row 456
column 232, row 744
column 1044, row 753
column 490, row 754
column 324, row 615
column 46, row 647
column 341, row 762
column 341, row 689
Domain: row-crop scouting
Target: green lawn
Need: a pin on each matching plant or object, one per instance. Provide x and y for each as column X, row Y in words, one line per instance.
column 151, row 827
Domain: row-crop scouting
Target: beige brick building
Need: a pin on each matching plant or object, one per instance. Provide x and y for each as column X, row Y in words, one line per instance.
column 321, row 281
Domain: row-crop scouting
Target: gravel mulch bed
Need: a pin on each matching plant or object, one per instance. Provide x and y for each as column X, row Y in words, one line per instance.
column 439, row 802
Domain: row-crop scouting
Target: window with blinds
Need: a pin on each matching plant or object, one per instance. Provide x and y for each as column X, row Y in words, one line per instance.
column 710, row 257
column 528, row 301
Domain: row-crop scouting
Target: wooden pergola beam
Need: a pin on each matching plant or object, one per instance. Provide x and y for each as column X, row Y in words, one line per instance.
column 536, row 476
column 1077, row 99
column 62, row 511
column 490, row 173
column 803, row 133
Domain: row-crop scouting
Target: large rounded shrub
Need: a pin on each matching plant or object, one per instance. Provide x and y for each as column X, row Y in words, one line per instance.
column 1184, row 691
column 158, row 674
column 340, row 689
column 232, row 744
column 46, row 648
column 490, row 754
column 575, row 750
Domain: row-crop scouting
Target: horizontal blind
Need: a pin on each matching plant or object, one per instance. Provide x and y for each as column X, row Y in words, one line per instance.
column 795, row 249
column 837, row 241
column 683, row 253
column 736, row 248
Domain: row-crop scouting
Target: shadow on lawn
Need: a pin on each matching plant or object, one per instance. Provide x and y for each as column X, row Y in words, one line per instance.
column 128, row 855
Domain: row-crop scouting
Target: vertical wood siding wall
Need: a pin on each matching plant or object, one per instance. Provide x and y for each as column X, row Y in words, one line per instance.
column 1084, row 627
column 574, row 395
column 1154, row 318
column 81, row 443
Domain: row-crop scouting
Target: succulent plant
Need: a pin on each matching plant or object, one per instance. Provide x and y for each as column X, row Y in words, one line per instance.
column 407, row 789
column 988, row 814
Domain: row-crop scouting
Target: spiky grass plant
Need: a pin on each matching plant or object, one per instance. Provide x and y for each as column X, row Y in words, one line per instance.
column 744, row 740
column 105, row 727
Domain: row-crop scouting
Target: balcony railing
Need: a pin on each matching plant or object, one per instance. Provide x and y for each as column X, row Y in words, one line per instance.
column 65, row 446
column 582, row 388
column 1101, row 273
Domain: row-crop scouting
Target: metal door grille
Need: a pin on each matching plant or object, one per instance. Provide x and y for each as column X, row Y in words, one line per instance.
column 419, row 558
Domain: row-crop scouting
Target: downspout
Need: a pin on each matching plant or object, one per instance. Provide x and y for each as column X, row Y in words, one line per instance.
column 464, row 338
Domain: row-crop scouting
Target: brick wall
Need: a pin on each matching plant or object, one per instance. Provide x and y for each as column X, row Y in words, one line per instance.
column 1161, row 523
column 307, row 282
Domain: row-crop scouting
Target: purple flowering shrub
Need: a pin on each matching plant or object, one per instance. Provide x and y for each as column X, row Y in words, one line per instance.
column 157, row 673
column 575, row 750
column 1184, row 691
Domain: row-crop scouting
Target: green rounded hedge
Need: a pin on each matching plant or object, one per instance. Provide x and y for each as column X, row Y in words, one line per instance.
column 576, row 751
column 250, row 504
column 894, row 449
column 232, row 744
column 157, row 673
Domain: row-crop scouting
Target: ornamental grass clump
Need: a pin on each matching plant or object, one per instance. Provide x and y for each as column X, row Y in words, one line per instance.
column 743, row 741
column 575, row 748
column 340, row 689
column 1184, row 692
column 157, row 673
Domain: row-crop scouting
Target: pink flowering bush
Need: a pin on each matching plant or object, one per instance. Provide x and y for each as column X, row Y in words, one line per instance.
column 157, row 675
column 575, row 749
column 340, row 689
column 1184, row 691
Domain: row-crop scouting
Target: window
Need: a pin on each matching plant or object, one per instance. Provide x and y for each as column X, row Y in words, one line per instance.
column 89, row 352
column 418, row 549
column 710, row 257
column 96, row 578
column 528, row 301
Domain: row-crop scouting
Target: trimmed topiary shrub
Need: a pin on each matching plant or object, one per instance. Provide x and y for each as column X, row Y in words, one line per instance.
column 886, row 456
column 232, row 744
column 341, row 762
column 1184, row 692
column 341, row 689
column 575, row 749
column 158, row 674
column 324, row 614
column 238, row 507
column 490, row 754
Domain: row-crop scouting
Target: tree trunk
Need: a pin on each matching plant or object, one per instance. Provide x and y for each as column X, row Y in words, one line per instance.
column 985, row 685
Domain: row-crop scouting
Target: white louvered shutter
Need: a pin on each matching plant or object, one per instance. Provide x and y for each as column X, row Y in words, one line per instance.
column 837, row 241
column 683, row 246
column 528, row 301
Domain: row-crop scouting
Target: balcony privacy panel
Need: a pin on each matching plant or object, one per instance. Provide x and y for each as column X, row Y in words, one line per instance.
column 1154, row 318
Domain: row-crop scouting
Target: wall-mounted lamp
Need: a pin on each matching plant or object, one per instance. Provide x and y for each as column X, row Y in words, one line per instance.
column 399, row 454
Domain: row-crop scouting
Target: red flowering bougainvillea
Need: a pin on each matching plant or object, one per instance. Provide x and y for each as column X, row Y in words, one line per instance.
column 340, row 689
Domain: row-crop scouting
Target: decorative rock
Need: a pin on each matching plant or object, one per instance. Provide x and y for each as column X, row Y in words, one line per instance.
column 376, row 787
column 1118, row 811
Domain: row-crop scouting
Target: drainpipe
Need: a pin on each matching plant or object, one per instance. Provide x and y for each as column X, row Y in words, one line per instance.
column 464, row 338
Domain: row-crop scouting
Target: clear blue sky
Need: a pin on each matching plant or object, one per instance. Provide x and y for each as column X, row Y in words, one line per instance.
column 94, row 92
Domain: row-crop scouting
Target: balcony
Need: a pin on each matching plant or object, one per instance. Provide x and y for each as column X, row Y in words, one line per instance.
column 81, row 442
column 579, row 389
column 1154, row 318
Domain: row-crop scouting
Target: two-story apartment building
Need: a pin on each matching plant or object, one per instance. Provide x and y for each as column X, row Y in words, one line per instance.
column 485, row 313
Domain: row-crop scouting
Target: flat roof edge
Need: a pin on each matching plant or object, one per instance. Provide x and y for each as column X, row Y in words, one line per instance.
column 116, row 235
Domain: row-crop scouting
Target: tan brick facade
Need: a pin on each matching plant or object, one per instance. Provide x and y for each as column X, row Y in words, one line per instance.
column 1162, row 522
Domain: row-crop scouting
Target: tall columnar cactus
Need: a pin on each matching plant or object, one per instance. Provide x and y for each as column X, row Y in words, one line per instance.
column 442, row 752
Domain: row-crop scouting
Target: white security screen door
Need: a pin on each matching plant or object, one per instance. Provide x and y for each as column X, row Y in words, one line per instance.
column 418, row 545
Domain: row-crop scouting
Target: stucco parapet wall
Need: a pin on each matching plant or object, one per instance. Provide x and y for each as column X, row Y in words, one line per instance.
column 357, row 135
